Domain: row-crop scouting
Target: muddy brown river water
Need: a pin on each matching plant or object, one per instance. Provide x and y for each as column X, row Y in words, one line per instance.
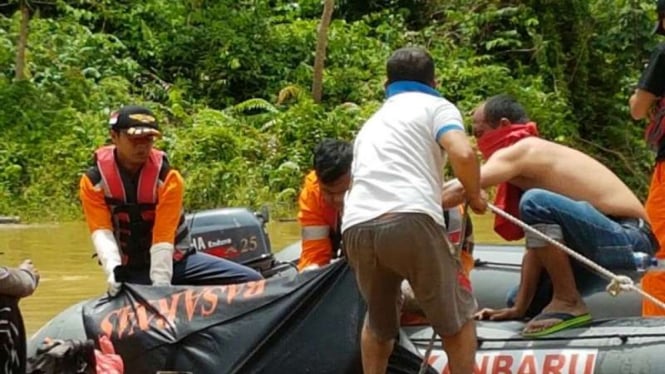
column 62, row 253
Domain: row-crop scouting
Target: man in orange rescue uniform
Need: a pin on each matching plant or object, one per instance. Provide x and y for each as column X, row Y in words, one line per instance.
column 648, row 101
column 322, row 199
column 321, row 202
column 132, row 200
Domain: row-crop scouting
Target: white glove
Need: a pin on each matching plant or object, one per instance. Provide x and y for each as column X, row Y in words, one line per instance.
column 161, row 264
column 109, row 255
column 310, row 267
column 113, row 286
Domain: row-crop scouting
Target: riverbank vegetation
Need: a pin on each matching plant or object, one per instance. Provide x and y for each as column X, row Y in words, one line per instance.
column 231, row 81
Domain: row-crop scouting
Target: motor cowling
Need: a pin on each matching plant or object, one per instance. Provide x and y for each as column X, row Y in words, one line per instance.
column 235, row 234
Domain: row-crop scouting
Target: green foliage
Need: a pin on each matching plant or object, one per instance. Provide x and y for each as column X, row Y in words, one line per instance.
column 230, row 82
column 233, row 158
column 50, row 125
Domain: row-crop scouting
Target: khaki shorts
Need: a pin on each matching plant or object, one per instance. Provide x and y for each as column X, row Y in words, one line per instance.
column 411, row 246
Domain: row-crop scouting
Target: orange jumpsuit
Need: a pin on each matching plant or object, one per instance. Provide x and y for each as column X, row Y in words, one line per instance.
column 319, row 226
column 653, row 281
column 652, row 81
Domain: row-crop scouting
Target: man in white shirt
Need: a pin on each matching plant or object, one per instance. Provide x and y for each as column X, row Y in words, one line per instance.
column 393, row 227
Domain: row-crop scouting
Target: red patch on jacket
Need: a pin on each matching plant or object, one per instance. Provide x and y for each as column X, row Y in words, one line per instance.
column 464, row 281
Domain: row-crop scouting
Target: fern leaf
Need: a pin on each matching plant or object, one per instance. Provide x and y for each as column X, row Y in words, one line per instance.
column 289, row 92
column 254, row 105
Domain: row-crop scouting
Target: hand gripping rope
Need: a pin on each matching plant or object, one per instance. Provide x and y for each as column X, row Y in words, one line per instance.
column 617, row 283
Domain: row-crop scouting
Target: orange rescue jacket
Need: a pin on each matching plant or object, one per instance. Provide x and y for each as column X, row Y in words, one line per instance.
column 141, row 210
column 319, row 225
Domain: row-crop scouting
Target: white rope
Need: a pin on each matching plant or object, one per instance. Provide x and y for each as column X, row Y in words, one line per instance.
column 617, row 284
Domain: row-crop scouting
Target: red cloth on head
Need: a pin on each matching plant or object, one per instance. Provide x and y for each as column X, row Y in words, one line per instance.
column 504, row 136
column 507, row 195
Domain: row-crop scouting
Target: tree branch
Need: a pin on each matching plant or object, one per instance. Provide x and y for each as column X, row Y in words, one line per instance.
column 22, row 43
column 153, row 74
column 320, row 54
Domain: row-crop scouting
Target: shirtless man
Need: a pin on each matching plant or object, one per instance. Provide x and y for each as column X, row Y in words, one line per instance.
column 565, row 194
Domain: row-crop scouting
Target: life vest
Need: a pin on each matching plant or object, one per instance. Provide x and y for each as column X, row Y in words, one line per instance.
column 453, row 218
column 132, row 205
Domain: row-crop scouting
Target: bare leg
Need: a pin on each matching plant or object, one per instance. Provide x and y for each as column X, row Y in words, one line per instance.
column 375, row 352
column 461, row 349
column 530, row 275
column 566, row 298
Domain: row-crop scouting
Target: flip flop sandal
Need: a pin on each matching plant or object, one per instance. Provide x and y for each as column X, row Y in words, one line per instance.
column 567, row 321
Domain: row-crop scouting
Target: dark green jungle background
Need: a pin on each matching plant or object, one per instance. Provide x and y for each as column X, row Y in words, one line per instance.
column 231, row 83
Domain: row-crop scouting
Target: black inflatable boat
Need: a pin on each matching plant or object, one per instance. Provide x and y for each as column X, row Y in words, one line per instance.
column 310, row 322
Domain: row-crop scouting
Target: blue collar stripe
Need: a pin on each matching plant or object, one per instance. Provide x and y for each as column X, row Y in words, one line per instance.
column 409, row 86
column 445, row 128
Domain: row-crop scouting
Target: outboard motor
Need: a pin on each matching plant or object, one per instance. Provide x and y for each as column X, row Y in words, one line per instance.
column 235, row 234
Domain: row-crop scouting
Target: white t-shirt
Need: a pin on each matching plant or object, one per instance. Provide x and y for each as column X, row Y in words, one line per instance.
column 397, row 160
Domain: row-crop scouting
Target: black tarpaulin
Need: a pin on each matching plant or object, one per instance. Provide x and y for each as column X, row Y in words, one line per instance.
column 298, row 323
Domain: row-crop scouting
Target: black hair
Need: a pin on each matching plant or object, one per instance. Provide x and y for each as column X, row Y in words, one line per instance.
column 504, row 106
column 410, row 64
column 332, row 159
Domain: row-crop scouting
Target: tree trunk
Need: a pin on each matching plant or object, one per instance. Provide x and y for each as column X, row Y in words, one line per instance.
column 22, row 40
column 321, row 45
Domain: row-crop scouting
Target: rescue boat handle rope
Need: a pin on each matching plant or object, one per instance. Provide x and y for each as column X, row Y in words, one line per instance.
column 617, row 283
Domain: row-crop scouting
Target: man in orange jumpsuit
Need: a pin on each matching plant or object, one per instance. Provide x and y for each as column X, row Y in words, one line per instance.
column 133, row 203
column 321, row 202
column 648, row 102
